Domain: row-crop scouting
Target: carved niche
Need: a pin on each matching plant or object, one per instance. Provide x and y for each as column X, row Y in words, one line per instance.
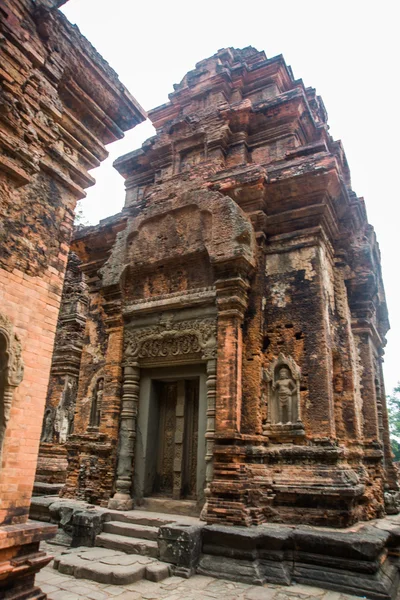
column 282, row 380
column 48, row 426
column 169, row 341
column 65, row 412
column 11, row 370
column 96, row 405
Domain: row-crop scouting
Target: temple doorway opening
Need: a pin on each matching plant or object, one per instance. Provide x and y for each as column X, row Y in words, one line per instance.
column 170, row 447
column 178, row 416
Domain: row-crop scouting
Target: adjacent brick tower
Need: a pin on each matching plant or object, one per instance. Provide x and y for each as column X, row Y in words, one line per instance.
column 60, row 103
column 237, row 316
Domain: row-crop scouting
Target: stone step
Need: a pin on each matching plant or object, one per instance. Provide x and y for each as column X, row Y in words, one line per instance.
column 110, row 566
column 140, row 518
column 47, row 489
column 127, row 544
column 167, row 506
column 132, row 530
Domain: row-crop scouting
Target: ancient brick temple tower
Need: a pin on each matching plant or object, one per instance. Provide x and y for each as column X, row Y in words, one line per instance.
column 232, row 355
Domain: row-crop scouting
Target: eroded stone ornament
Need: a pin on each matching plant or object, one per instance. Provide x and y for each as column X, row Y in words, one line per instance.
column 11, row 370
column 282, row 380
column 64, row 416
column 169, row 340
column 48, row 426
column 95, row 410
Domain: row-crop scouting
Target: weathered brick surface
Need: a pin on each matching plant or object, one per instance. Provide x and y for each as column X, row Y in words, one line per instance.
column 240, row 219
column 60, row 103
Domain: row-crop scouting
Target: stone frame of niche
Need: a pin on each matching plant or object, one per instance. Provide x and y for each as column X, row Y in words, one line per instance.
column 168, row 343
column 283, row 431
column 49, row 410
column 13, row 372
column 92, row 390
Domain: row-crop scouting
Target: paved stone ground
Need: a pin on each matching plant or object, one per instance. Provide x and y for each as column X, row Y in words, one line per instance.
column 65, row 587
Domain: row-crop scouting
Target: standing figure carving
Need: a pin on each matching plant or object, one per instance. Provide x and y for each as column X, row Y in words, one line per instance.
column 47, row 430
column 284, row 388
column 283, row 391
column 95, row 410
column 11, row 370
column 64, row 417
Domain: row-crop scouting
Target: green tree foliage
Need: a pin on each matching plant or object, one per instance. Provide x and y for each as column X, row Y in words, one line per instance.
column 80, row 219
column 393, row 404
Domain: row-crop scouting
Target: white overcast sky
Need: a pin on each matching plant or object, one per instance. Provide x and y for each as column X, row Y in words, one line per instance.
column 348, row 50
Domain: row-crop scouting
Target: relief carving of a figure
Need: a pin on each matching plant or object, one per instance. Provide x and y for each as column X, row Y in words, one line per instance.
column 64, row 418
column 283, row 391
column 47, row 430
column 11, row 370
column 95, row 409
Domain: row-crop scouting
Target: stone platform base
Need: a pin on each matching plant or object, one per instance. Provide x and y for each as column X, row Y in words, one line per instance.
column 362, row 560
column 21, row 559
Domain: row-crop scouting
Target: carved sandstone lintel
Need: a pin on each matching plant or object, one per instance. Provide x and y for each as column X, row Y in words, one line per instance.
column 169, row 340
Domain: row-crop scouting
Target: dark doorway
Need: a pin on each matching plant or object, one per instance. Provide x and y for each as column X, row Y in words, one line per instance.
column 177, row 439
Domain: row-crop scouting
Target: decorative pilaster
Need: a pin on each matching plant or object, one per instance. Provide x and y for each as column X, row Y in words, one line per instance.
column 122, row 499
column 226, row 499
column 369, row 401
column 231, row 303
column 390, row 470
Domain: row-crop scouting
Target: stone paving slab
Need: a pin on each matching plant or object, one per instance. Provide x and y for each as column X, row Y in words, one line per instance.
column 66, row 587
column 103, row 565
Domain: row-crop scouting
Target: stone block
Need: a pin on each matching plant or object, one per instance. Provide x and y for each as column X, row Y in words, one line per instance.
column 157, row 572
column 86, row 525
column 180, row 545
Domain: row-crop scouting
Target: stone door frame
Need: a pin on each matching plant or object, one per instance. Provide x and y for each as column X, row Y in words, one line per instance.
column 170, row 343
column 148, row 377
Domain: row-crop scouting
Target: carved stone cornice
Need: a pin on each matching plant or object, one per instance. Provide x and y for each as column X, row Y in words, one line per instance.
column 171, row 301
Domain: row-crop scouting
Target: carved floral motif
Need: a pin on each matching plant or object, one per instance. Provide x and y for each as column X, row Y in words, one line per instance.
column 169, row 339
